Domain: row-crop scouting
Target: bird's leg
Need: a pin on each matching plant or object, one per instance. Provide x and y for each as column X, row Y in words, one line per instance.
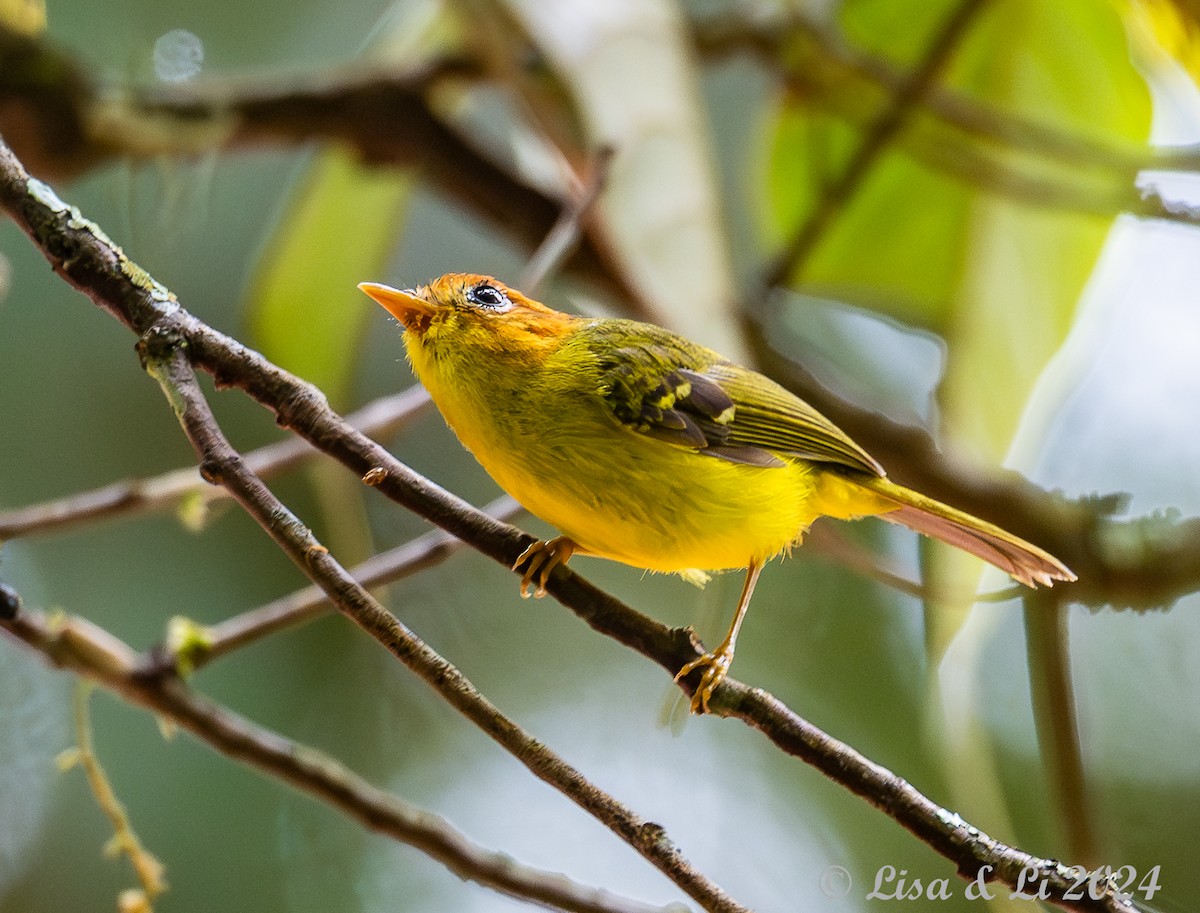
column 539, row 560
column 716, row 664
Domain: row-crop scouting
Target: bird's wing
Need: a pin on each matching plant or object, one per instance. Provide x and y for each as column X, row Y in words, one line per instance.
column 772, row 417
column 667, row 388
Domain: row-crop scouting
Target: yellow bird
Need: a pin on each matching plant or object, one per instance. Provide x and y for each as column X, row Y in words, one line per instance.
column 646, row 448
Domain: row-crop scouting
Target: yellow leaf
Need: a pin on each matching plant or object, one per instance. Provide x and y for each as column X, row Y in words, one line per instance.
column 1174, row 28
column 28, row 17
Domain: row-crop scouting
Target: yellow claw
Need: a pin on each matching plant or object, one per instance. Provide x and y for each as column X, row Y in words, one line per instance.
column 716, row 667
column 716, row 663
column 540, row 560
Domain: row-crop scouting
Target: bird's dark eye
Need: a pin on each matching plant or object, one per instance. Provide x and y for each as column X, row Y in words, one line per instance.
column 489, row 297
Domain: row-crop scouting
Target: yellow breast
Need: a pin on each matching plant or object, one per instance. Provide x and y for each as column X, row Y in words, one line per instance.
column 618, row 494
column 624, row 496
column 655, row 506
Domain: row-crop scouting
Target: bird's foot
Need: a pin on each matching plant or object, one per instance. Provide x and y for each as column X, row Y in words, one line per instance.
column 539, row 560
column 716, row 667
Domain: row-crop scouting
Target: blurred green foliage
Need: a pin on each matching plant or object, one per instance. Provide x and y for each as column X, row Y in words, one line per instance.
column 267, row 245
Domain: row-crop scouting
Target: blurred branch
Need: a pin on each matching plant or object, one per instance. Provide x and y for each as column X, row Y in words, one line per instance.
column 171, row 338
column 566, row 232
column 381, row 418
column 1143, row 563
column 61, row 124
column 80, row 647
column 767, row 38
column 1090, row 177
column 297, row 608
column 1056, row 717
column 989, row 172
column 875, row 141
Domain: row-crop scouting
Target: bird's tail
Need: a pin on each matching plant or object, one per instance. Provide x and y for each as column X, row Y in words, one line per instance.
column 1013, row 555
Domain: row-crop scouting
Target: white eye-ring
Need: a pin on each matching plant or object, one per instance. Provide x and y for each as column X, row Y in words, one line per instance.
column 488, row 297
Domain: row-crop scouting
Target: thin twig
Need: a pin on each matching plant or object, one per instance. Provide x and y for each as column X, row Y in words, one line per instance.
column 78, row 252
column 381, row 418
column 566, row 231
column 79, row 646
column 149, row 870
column 311, row 602
column 875, row 141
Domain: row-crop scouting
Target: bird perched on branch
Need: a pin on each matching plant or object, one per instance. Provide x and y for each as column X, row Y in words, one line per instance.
column 646, row 448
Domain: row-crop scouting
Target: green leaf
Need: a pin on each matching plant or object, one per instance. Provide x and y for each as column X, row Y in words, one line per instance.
column 944, row 232
column 339, row 229
column 1028, row 266
column 997, row 277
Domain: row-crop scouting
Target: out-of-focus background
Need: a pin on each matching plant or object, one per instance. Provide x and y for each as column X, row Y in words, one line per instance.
column 941, row 211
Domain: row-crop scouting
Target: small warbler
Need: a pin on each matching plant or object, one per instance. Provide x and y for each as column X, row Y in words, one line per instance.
column 646, row 448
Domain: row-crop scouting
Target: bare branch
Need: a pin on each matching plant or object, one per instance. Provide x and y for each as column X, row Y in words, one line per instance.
column 77, row 645
column 381, row 418
column 311, row 602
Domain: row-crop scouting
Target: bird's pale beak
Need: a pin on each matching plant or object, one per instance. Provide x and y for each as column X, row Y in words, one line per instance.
column 406, row 305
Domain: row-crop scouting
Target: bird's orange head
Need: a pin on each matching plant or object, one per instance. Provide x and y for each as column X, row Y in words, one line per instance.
column 464, row 311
